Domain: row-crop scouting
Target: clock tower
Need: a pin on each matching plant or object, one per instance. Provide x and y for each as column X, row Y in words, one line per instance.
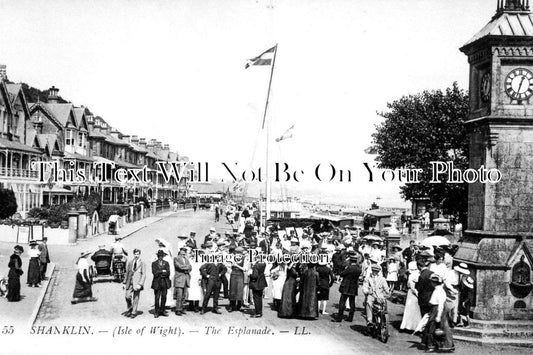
column 498, row 244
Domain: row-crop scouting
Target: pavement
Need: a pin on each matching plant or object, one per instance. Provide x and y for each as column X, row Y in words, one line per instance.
column 22, row 314
column 209, row 333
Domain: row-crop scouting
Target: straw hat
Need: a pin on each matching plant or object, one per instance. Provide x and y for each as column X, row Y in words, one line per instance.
column 468, row 282
column 462, row 268
column 84, row 254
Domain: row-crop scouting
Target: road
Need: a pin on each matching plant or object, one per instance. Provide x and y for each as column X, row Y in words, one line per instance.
column 323, row 336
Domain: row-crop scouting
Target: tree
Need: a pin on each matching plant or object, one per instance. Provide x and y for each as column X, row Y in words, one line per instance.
column 422, row 128
column 8, row 203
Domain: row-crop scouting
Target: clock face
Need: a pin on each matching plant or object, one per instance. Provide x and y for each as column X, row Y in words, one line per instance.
column 519, row 84
column 485, row 87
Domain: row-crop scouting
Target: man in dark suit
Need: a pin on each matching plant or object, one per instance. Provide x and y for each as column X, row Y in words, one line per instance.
column 211, row 274
column 424, row 286
column 181, row 279
column 134, row 282
column 410, row 252
column 160, row 283
column 257, row 285
column 348, row 288
column 44, row 258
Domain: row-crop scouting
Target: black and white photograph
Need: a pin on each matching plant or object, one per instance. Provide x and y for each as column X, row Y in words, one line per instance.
column 266, row 176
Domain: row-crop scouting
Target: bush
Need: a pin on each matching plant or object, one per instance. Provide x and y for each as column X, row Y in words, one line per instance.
column 8, row 203
column 107, row 211
column 40, row 213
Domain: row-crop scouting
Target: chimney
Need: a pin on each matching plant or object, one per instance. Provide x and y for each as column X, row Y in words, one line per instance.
column 142, row 142
column 52, row 95
column 134, row 139
column 3, row 72
column 166, row 147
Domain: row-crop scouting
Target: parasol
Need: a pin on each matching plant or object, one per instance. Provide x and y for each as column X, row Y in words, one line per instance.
column 373, row 238
column 435, row 240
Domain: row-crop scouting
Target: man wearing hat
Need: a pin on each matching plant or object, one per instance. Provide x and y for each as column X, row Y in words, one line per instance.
column 452, row 281
column 44, row 257
column 182, row 266
column 211, row 236
column 375, row 288
column 161, row 283
column 348, row 288
column 424, row 286
column 436, row 309
column 410, row 252
column 191, row 242
column 257, row 285
column 465, row 293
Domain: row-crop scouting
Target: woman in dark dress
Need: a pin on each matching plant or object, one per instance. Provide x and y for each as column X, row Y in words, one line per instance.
column 236, row 282
column 325, row 281
column 34, row 272
column 15, row 270
column 288, row 305
column 308, row 302
column 83, row 289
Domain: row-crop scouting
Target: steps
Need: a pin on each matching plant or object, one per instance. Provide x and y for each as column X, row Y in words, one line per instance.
column 503, row 333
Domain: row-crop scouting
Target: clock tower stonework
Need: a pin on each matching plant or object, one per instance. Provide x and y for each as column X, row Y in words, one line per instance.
column 498, row 242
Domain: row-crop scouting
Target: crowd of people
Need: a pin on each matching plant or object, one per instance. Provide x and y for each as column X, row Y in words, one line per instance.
column 39, row 258
column 437, row 290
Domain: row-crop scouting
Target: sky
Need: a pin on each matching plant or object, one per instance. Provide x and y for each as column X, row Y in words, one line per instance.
column 174, row 71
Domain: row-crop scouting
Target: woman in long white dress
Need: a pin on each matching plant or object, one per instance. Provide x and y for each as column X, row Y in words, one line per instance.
column 278, row 275
column 411, row 314
column 196, row 294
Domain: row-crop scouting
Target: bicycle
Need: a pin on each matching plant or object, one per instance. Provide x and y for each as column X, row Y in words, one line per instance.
column 380, row 321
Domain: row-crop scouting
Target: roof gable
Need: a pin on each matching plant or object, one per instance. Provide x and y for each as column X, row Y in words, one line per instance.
column 81, row 120
column 38, row 109
column 17, row 97
column 62, row 113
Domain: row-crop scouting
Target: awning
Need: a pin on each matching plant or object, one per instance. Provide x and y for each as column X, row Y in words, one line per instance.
column 78, row 157
column 12, row 145
column 58, row 191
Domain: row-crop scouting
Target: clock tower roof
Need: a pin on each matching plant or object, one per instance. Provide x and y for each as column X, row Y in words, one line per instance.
column 513, row 18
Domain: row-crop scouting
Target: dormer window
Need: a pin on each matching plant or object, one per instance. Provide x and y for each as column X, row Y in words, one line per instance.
column 82, row 140
column 69, row 137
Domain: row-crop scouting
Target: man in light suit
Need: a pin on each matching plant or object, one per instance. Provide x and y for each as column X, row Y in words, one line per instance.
column 181, row 279
column 134, row 282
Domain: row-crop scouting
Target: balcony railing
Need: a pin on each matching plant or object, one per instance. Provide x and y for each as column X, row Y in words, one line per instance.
column 16, row 172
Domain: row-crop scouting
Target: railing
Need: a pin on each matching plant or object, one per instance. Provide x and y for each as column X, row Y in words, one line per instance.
column 15, row 172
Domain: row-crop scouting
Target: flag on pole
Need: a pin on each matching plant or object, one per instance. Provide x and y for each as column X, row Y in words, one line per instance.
column 286, row 135
column 238, row 185
column 264, row 58
column 371, row 150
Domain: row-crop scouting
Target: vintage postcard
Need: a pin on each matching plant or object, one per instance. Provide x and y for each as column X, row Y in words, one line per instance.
column 266, row 176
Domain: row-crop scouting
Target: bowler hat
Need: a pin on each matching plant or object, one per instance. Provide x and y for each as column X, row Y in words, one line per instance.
column 161, row 253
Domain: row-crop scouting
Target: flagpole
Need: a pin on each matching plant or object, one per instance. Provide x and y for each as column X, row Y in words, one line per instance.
column 267, row 122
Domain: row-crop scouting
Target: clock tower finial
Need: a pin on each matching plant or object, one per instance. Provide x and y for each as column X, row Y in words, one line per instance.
column 512, row 6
